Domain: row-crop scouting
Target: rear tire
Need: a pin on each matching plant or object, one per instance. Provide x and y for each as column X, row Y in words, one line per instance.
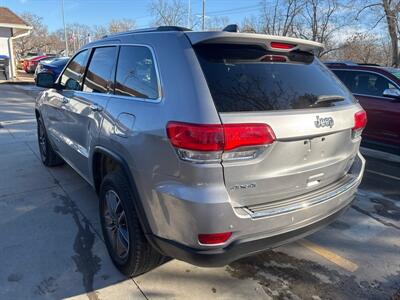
column 127, row 246
column 49, row 157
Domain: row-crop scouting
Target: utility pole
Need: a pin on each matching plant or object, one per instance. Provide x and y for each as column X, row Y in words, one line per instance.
column 188, row 15
column 203, row 15
column 65, row 29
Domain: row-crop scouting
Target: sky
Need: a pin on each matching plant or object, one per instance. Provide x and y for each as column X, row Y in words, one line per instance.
column 98, row 12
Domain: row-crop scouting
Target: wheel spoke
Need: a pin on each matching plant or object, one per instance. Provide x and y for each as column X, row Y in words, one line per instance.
column 125, row 236
column 122, row 218
column 121, row 244
column 111, row 203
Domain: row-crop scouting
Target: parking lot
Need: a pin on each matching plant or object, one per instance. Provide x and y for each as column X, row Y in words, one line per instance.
column 51, row 243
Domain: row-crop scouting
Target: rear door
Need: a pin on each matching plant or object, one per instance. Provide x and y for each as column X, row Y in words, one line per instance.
column 309, row 110
column 383, row 112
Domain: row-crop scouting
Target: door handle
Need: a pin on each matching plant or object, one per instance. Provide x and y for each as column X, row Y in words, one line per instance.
column 95, row 107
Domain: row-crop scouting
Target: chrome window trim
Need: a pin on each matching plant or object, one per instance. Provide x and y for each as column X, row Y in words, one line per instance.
column 156, row 66
column 373, row 72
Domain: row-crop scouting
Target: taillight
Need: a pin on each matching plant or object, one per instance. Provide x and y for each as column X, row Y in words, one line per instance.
column 278, row 45
column 207, row 143
column 240, row 135
column 360, row 121
column 196, row 137
column 214, row 238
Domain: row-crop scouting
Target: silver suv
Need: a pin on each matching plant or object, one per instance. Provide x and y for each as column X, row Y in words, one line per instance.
column 203, row 146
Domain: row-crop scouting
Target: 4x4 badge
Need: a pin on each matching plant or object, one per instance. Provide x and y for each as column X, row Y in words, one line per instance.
column 324, row 122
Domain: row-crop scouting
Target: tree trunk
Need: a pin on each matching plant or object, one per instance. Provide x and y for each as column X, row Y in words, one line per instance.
column 391, row 18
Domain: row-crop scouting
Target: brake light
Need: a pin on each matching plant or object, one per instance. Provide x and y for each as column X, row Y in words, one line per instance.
column 285, row 46
column 360, row 121
column 274, row 58
column 218, row 137
column 214, row 238
column 196, row 137
column 207, row 143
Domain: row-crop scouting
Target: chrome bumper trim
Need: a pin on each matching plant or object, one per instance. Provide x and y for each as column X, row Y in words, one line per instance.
column 358, row 165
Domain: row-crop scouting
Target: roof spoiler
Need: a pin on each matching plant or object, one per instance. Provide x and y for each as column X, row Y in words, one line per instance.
column 213, row 37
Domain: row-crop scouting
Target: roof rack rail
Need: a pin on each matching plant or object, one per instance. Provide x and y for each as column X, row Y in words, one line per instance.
column 172, row 28
column 231, row 28
column 152, row 29
column 368, row 64
column 340, row 62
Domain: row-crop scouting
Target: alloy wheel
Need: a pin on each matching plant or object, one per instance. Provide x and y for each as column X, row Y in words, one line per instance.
column 116, row 224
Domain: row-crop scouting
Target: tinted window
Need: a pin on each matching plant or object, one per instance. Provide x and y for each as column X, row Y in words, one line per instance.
column 364, row 83
column 136, row 73
column 250, row 78
column 74, row 71
column 100, row 68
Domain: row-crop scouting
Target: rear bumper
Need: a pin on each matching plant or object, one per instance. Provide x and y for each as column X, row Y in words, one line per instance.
column 238, row 248
column 254, row 231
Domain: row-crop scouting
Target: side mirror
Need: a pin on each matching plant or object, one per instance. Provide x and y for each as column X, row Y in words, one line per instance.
column 45, row 80
column 391, row 93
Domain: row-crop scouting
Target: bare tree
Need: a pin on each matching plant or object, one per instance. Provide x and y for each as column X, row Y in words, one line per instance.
column 121, row 25
column 37, row 40
column 217, row 23
column 169, row 13
column 388, row 10
column 278, row 17
column 321, row 20
column 363, row 48
column 99, row 31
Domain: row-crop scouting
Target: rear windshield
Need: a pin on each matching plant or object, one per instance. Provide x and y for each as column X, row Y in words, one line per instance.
column 251, row 78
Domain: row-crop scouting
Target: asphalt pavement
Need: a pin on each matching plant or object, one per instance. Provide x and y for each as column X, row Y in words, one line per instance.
column 51, row 244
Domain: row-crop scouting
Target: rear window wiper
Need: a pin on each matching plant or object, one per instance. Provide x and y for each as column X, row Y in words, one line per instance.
column 329, row 98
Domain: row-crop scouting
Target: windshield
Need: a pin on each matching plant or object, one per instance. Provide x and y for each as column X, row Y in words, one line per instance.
column 394, row 71
column 251, row 78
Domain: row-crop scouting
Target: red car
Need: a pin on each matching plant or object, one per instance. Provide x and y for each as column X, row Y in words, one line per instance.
column 31, row 64
column 378, row 90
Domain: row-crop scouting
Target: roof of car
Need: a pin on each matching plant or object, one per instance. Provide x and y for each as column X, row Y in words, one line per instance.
column 390, row 72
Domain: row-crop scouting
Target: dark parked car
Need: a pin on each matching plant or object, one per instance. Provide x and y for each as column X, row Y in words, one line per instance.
column 53, row 66
column 378, row 90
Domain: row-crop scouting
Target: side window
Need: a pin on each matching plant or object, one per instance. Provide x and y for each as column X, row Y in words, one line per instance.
column 366, row 83
column 100, row 68
column 344, row 77
column 136, row 73
column 74, row 71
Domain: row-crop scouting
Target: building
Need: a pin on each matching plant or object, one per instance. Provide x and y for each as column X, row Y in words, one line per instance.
column 11, row 28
